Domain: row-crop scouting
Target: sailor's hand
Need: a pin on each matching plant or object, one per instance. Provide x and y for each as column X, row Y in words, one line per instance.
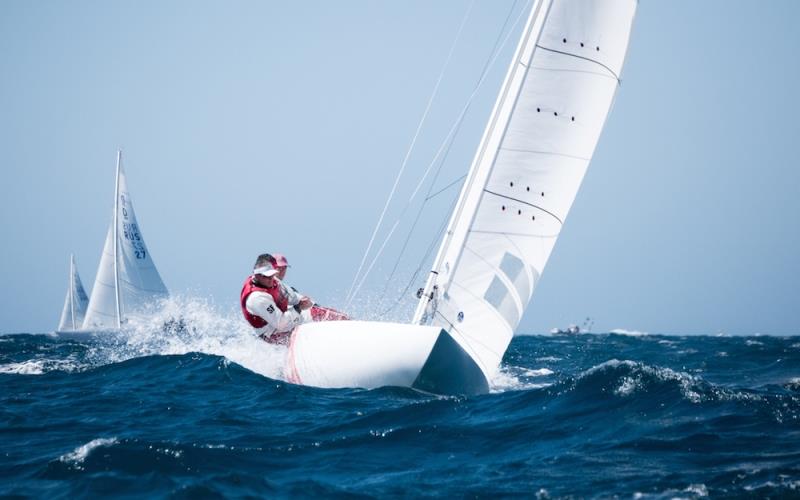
column 305, row 303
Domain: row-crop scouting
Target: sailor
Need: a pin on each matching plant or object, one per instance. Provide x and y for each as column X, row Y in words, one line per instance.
column 293, row 296
column 280, row 264
column 267, row 307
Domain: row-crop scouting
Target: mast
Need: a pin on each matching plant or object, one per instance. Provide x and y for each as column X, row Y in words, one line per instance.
column 471, row 192
column 116, row 239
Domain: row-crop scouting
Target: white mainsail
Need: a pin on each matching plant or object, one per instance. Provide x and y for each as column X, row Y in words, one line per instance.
column 75, row 302
column 526, row 173
column 127, row 279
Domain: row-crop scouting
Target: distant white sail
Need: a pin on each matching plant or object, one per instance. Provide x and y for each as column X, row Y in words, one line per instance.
column 75, row 302
column 526, row 173
column 127, row 279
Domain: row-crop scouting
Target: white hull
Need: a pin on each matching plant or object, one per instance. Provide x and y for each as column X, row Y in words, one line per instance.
column 369, row 354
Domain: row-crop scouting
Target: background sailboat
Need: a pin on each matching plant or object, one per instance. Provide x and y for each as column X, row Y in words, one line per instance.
column 75, row 302
column 529, row 165
column 127, row 279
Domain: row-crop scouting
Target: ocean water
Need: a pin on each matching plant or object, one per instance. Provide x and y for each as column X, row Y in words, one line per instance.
column 204, row 412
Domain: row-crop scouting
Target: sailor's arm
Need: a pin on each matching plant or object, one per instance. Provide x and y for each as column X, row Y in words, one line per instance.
column 263, row 305
column 295, row 298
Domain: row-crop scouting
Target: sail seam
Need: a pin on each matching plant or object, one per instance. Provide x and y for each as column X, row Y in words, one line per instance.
column 584, row 58
column 526, row 203
column 552, row 153
column 505, row 233
column 601, row 74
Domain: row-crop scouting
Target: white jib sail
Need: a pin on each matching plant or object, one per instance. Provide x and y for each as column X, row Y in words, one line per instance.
column 526, row 173
column 75, row 303
column 127, row 279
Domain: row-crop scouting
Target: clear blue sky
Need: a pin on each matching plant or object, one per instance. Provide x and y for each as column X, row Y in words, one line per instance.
column 263, row 125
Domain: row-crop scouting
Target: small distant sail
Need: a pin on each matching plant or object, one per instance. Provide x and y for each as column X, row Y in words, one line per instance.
column 127, row 279
column 75, row 303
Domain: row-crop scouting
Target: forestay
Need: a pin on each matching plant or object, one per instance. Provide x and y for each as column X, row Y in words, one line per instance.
column 75, row 302
column 127, row 279
column 526, row 173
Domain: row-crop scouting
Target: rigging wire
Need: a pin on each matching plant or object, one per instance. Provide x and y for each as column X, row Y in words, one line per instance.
column 437, row 193
column 350, row 293
column 436, row 237
column 448, row 140
column 429, row 196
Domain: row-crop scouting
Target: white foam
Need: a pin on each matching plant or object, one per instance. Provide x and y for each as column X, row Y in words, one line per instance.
column 693, row 491
column 627, row 387
column 541, row 372
column 508, row 379
column 632, row 382
column 40, row 366
column 81, row 452
column 630, row 333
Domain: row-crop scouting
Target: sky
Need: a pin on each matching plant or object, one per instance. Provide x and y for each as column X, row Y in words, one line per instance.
column 254, row 126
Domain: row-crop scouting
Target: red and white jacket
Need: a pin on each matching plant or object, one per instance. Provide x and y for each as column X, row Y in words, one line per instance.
column 269, row 311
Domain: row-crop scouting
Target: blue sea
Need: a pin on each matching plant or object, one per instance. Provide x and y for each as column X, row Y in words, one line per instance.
column 196, row 414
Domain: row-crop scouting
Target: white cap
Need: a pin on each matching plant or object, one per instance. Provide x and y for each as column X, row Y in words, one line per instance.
column 266, row 270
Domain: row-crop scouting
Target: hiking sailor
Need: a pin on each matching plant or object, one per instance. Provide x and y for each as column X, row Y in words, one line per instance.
column 281, row 264
column 267, row 306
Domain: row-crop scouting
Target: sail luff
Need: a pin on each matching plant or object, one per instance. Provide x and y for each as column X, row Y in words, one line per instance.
column 479, row 171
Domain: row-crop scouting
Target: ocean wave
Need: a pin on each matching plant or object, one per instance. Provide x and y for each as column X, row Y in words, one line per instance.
column 79, row 454
column 41, row 366
column 625, row 378
column 690, row 492
column 580, row 416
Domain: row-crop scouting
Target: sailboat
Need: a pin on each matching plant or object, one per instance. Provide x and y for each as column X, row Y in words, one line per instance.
column 75, row 302
column 127, row 281
column 529, row 165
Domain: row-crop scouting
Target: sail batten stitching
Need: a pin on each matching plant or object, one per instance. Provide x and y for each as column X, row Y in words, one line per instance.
column 584, row 58
column 526, row 203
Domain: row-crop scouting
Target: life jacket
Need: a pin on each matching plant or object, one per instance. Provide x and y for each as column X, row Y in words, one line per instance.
column 275, row 292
